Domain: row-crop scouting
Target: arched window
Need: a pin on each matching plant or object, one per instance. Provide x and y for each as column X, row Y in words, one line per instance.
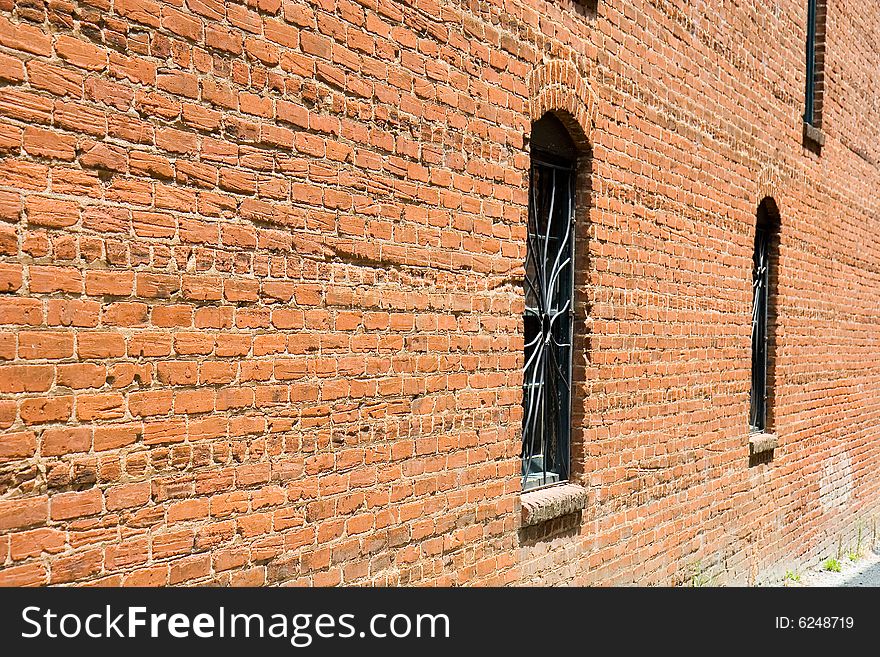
column 549, row 307
column 764, row 262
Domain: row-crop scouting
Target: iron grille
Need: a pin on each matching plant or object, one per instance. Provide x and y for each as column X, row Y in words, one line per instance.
column 547, row 320
column 760, row 285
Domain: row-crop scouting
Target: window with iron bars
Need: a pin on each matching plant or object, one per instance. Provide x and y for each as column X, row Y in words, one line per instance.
column 760, row 283
column 763, row 260
column 549, row 306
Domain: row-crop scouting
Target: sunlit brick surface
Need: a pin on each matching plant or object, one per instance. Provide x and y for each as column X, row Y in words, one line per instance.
column 260, row 289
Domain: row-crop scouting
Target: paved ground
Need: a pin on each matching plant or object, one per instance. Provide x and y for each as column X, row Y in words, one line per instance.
column 865, row 571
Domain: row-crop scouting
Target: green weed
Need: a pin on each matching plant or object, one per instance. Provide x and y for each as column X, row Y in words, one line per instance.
column 832, row 565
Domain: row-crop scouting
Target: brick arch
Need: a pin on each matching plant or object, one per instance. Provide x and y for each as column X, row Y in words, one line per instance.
column 557, row 86
column 771, row 184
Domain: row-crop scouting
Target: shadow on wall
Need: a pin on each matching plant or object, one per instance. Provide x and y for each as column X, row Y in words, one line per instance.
column 567, row 526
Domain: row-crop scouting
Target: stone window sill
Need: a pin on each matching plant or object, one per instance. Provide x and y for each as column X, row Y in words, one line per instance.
column 813, row 135
column 553, row 502
column 762, row 442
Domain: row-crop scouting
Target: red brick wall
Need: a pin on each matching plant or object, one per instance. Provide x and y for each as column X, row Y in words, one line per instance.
column 260, row 289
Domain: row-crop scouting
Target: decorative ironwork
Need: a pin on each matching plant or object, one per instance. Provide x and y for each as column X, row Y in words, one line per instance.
column 549, row 287
column 760, row 285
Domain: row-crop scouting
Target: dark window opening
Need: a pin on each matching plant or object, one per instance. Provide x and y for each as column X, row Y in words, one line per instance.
column 549, row 306
column 763, row 282
column 815, row 87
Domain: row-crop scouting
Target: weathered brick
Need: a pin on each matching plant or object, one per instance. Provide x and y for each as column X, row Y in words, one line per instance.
column 54, row 279
column 65, row 440
column 45, row 143
column 29, row 574
column 21, row 513
column 35, row 542
column 65, row 506
column 24, row 37
column 51, row 212
column 45, row 344
column 262, row 291
column 41, row 411
column 17, row 445
column 94, row 344
column 80, row 53
column 75, row 567
column 126, row 496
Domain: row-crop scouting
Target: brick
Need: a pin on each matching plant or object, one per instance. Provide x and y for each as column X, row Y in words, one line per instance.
column 187, row 510
column 106, row 220
column 178, row 141
column 23, row 312
column 60, row 312
column 132, row 552
column 194, row 401
column 54, row 213
column 11, row 278
column 157, row 285
column 26, row 378
column 134, row 69
column 110, row 283
column 81, row 375
column 45, row 344
column 30, row 574
column 168, row 544
column 80, row 53
column 80, row 118
column 127, row 496
column 151, row 576
column 18, row 445
column 10, row 142
column 65, row 440
column 110, row 94
column 45, row 143
column 36, row 542
column 24, row 37
column 150, row 345
column 146, row 12
column 113, row 437
column 145, row 404
column 189, row 568
column 98, row 155
column 23, row 513
column 100, row 344
column 99, row 407
column 125, row 314
column 10, row 206
column 7, row 346
column 151, row 165
column 223, row 39
column 152, row 224
column 47, row 279
column 171, row 431
column 178, row 83
column 77, row 566
column 181, row 24
column 76, row 505
column 48, row 409
column 210, row 9
column 7, row 414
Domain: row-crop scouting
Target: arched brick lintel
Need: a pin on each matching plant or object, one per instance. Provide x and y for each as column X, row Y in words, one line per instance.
column 771, row 184
column 557, row 87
